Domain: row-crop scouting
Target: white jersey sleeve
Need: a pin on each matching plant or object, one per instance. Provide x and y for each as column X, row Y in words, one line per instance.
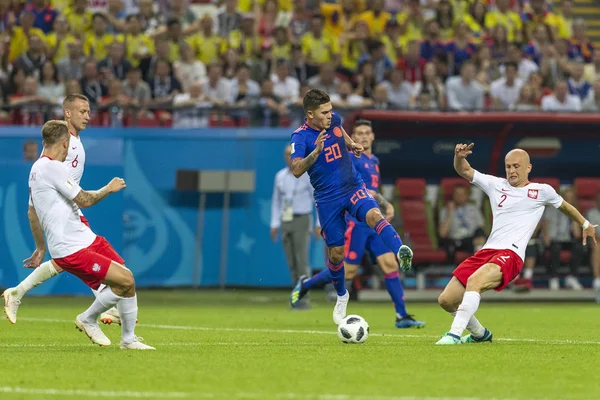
column 60, row 179
column 550, row 196
column 485, row 182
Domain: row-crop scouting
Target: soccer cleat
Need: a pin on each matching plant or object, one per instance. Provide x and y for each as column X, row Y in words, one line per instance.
column 339, row 311
column 298, row 292
column 409, row 322
column 405, row 256
column 110, row 317
column 573, row 283
column 449, row 338
column 11, row 304
column 136, row 345
column 487, row 337
column 92, row 331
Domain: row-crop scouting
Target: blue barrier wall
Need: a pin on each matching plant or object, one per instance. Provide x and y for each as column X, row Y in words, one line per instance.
column 151, row 224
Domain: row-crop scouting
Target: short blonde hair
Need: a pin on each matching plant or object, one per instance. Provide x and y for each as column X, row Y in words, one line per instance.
column 54, row 131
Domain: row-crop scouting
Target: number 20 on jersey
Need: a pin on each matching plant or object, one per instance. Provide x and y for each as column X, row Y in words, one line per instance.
column 332, row 152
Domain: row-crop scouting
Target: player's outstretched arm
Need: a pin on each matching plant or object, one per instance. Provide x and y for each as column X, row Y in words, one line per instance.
column 356, row 148
column 300, row 165
column 85, row 199
column 461, row 165
column 589, row 230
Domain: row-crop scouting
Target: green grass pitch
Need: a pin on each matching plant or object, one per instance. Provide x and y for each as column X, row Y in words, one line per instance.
column 250, row 345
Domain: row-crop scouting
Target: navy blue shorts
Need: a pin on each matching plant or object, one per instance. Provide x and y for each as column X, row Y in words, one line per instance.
column 361, row 237
column 332, row 214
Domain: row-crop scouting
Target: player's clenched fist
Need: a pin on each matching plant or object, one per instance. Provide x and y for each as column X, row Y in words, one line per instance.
column 463, row 150
column 321, row 140
column 116, row 184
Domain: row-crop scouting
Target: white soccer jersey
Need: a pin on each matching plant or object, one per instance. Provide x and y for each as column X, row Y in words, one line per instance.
column 52, row 191
column 516, row 211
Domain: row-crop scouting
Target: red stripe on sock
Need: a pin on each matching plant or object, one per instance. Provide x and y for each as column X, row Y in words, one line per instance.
column 392, row 275
column 381, row 225
column 334, row 267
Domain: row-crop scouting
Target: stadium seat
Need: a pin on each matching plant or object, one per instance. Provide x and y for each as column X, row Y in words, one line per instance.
column 413, row 210
column 586, row 190
column 447, row 185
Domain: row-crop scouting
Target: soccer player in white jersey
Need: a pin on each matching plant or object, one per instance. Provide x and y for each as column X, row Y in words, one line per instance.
column 517, row 206
column 76, row 109
column 54, row 213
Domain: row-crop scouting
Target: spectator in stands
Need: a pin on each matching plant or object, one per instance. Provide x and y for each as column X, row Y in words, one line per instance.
column 190, row 108
column 538, row 87
column 244, row 40
column 135, row 88
column 90, row 83
column 565, row 17
column 286, row 87
column 174, row 37
column 538, row 15
column 231, row 60
column 555, row 62
column 31, row 151
column 50, row 86
column 229, row 20
column 244, row 91
column 318, row 46
column 267, row 19
column 498, row 44
column 300, row 70
column 487, row 67
column 392, row 42
column 340, row 17
column 526, row 67
column 412, row 63
column 375, row 17
column 115, row 14
column 206, row 44
column 58, row 40
column 504, row 16
column 216, row 88
column 561, row 100
column 139, row 45
column 445, row 19
column 117, row 101
column 591, row 71
column 381, row 100
column 398, row 90
column 262, row 65
column 460, row 49
column 164, row 86
column 429, row 92
column 148, row 65
column 464, row 93
column 19, row 39
column 44, row 15
column 561, row 233
column 432, row 46
column 581, row 47
column 79, row 18
column 282, row 47
column 346, row 99
column 189, row 70
column 16, row 82
column 461, row 224
column 577, row 85
column 527, row 99
column 592, row 102
column 593, row 215
column 115, row 64
column 71, row 67
column 272, row 106
column 412, row 21
column 150, row 20
column 541, row 39
column 32, row 60
column 72, row 87
column 97, row 41
column 381, row 63
column 505, row 91
column 180, row 10
column 29, row 105
column 4, row 66
column 326, row 80
column 365, row 79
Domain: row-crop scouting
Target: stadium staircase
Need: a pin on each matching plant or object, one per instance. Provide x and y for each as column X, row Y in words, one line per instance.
column 589, row 10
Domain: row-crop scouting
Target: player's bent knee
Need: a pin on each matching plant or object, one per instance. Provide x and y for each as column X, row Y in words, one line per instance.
column 350, row 271
column 336, row 254
column 373, row 217
column 448, row 302
column 388, row 263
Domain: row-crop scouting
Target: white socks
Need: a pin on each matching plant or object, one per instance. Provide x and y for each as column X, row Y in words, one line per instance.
column 465, row 314
column 474, row 326
column 39, row 275
column 528, row 273
column 128, row 311
column 105, row 299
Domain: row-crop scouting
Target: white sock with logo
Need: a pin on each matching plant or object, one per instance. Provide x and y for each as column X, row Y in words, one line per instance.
column 39, row 275
column 465, row 312
column 104, row 300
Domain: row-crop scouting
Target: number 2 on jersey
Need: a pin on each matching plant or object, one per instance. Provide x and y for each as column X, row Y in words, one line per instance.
column 503, row 197
column 332, row 152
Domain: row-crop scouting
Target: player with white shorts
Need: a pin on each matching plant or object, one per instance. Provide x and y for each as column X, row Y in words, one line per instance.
column 54, row 213
column 76, row 109
column 517, row 207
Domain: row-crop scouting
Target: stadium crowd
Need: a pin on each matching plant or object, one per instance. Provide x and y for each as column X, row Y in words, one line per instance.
column 162, row 62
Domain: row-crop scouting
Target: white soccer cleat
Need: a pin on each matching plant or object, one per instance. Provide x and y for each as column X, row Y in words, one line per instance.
column 136, row 345
column 110, row 317
column 573, row 283
column 339, row 311
column 92, row 331
column 11, row 304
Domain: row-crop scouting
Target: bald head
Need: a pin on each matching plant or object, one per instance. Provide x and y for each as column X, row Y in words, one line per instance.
column 518, row 167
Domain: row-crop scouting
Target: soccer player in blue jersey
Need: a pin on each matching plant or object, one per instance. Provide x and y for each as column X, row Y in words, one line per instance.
column 320, row 147
column 361, row 237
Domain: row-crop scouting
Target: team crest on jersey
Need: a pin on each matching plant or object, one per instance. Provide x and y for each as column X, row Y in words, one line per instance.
column 532, row 194
column 96, row 268
column 337, row 131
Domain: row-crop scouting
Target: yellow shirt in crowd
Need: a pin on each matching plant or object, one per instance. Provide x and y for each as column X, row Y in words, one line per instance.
column 247, row 47
column 80, row 24
column 510, row 20
column 136, row 44
column 245, row 6
column 414, row 30
column 207, row 49
column 97, row 47
column 375, row 23
column 283, row 51
column 320, row 50
column 19, row 41
column 63, row 50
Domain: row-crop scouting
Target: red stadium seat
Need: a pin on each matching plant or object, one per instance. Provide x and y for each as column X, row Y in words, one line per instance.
column 586, row 190
column 413, row 188
column 448, row 184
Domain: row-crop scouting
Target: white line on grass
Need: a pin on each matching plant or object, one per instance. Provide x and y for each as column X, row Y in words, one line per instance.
column 332, row 332
column 240, row 395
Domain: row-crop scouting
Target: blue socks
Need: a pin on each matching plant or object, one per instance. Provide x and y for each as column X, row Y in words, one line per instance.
column 396, row 291
column 337, row 277
column 317, row 280
column 388, row 234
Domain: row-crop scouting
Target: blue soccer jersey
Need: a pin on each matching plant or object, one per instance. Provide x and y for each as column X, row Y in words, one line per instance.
column 368, row 169
column 333, row 174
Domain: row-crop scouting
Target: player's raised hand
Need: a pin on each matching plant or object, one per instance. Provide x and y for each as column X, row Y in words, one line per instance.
column 35, row 260
column 591, row 232
column 463, row 150
column 320, row 142
column 357, row 149
column 116, row 184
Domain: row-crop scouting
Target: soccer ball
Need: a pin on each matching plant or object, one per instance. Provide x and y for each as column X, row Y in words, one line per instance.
column 353, row 329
